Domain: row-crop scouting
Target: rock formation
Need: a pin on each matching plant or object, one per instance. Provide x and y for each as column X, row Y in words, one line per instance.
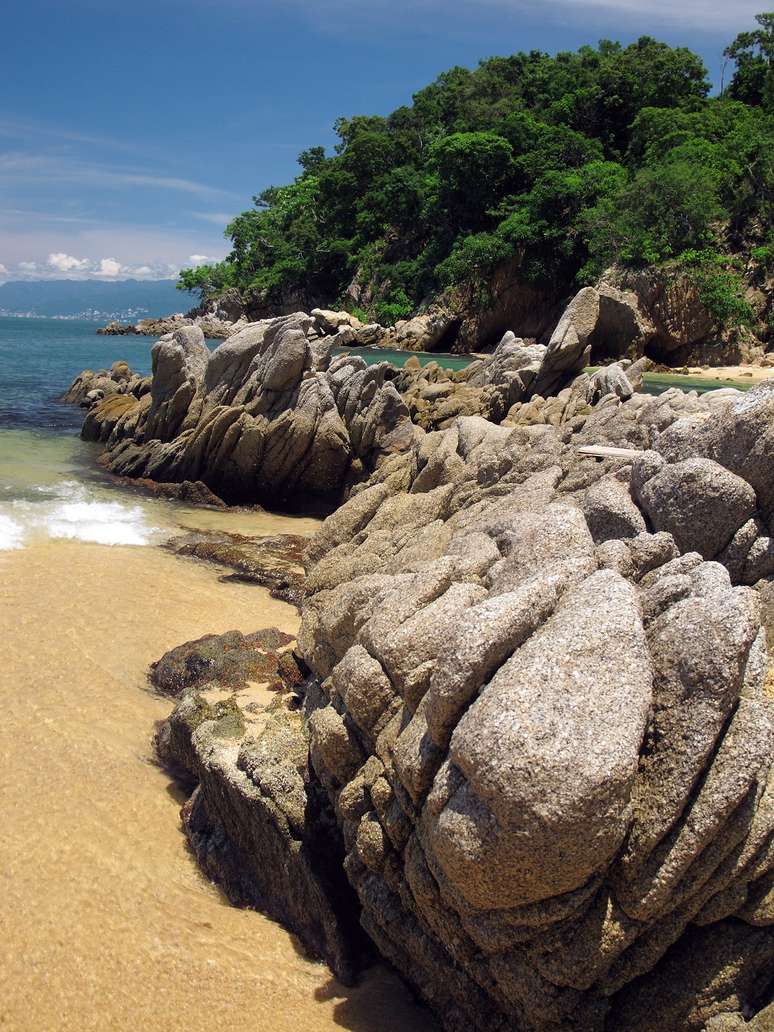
column 214, row 326
column 273, row 413
column 539, row 727
column 525, row 738
column 268, row 414
column 544, row 722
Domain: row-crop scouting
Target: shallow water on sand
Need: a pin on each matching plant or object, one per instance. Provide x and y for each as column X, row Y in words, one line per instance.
column 50, row 488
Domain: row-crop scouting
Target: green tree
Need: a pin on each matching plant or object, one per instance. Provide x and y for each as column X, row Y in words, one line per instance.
column 753, row 53
column 560, row 164
column 473, row 170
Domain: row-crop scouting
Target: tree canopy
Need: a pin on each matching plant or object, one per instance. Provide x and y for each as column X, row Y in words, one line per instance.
column 560, row 164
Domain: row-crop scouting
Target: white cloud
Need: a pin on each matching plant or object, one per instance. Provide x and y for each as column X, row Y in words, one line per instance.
column 109, row 267
column 200, row 259
column 64, row 266
column 67, row 263
column 702, row 16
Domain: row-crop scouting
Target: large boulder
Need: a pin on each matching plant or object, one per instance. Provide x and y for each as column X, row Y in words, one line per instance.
column 424, row 332
column 179, row 363
column 548, row 742
column 568, row 349
column 700, row 503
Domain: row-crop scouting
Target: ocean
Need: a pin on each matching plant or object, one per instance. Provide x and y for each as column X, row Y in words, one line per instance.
column 49, row 485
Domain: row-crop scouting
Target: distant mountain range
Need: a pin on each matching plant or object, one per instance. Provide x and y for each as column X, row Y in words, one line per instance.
column 91, row 299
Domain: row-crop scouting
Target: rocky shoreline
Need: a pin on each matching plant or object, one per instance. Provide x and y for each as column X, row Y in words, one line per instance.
column 212, row 328
column 655, row 312
column 523, row 745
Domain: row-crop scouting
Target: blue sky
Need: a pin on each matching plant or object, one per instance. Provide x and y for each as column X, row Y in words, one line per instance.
column 131, row 132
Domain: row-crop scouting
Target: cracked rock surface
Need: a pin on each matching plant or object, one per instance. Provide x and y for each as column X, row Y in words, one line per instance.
column 544, row 722
column 527, row 743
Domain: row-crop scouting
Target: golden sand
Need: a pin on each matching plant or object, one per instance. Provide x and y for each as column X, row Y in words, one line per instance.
column 106, row 922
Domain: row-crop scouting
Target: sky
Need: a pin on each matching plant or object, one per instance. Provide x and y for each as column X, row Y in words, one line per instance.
column 130, row 133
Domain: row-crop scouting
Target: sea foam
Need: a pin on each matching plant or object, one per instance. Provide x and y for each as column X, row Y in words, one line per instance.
column 106, row 523
column 69, row 510
column 11, row 533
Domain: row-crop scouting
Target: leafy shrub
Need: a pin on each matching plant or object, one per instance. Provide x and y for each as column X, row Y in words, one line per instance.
column 720, row 288
column 396, row 306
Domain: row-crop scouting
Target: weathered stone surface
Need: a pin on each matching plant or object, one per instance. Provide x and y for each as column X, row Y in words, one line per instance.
column 267, row 415
column 700, row 503
column 610, row 511
column 537, row 731
column 179, row 363
column 517, row 830
column 273, row 562
column 255, row 823
column 609, row 380
column 227, row 660
column 568, row 350
column 570, row 725
column 423, row 332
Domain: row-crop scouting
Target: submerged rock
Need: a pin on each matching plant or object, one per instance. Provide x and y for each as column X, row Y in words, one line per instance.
column 273, row 562
column 228, row 660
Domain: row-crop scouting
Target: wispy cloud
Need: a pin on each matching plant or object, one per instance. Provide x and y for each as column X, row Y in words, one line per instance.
column 42, row 216
column 20, row 165
column 31, row 131
column 217, row 218
column 699, row 14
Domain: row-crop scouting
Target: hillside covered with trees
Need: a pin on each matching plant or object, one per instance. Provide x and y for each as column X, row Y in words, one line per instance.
column 559, row 165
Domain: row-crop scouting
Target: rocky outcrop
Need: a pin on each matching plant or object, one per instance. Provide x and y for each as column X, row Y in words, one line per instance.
column 90, row 387
column 512, row 303
column 658, row 312
column 269, row 414
column 526, row 736
column 529, row 721
column 212, row 326
column 255, row 824
column 543, row 722
column 426, row 332
column 282, row 409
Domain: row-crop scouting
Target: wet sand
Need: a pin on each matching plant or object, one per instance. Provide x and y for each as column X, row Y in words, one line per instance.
column 107, row 923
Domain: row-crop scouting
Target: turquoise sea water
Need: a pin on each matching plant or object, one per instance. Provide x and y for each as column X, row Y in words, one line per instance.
column 399, row 358
column 39, row 358
column 49, row 485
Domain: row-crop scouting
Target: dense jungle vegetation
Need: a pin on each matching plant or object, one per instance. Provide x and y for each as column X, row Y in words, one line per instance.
column 562, row 164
